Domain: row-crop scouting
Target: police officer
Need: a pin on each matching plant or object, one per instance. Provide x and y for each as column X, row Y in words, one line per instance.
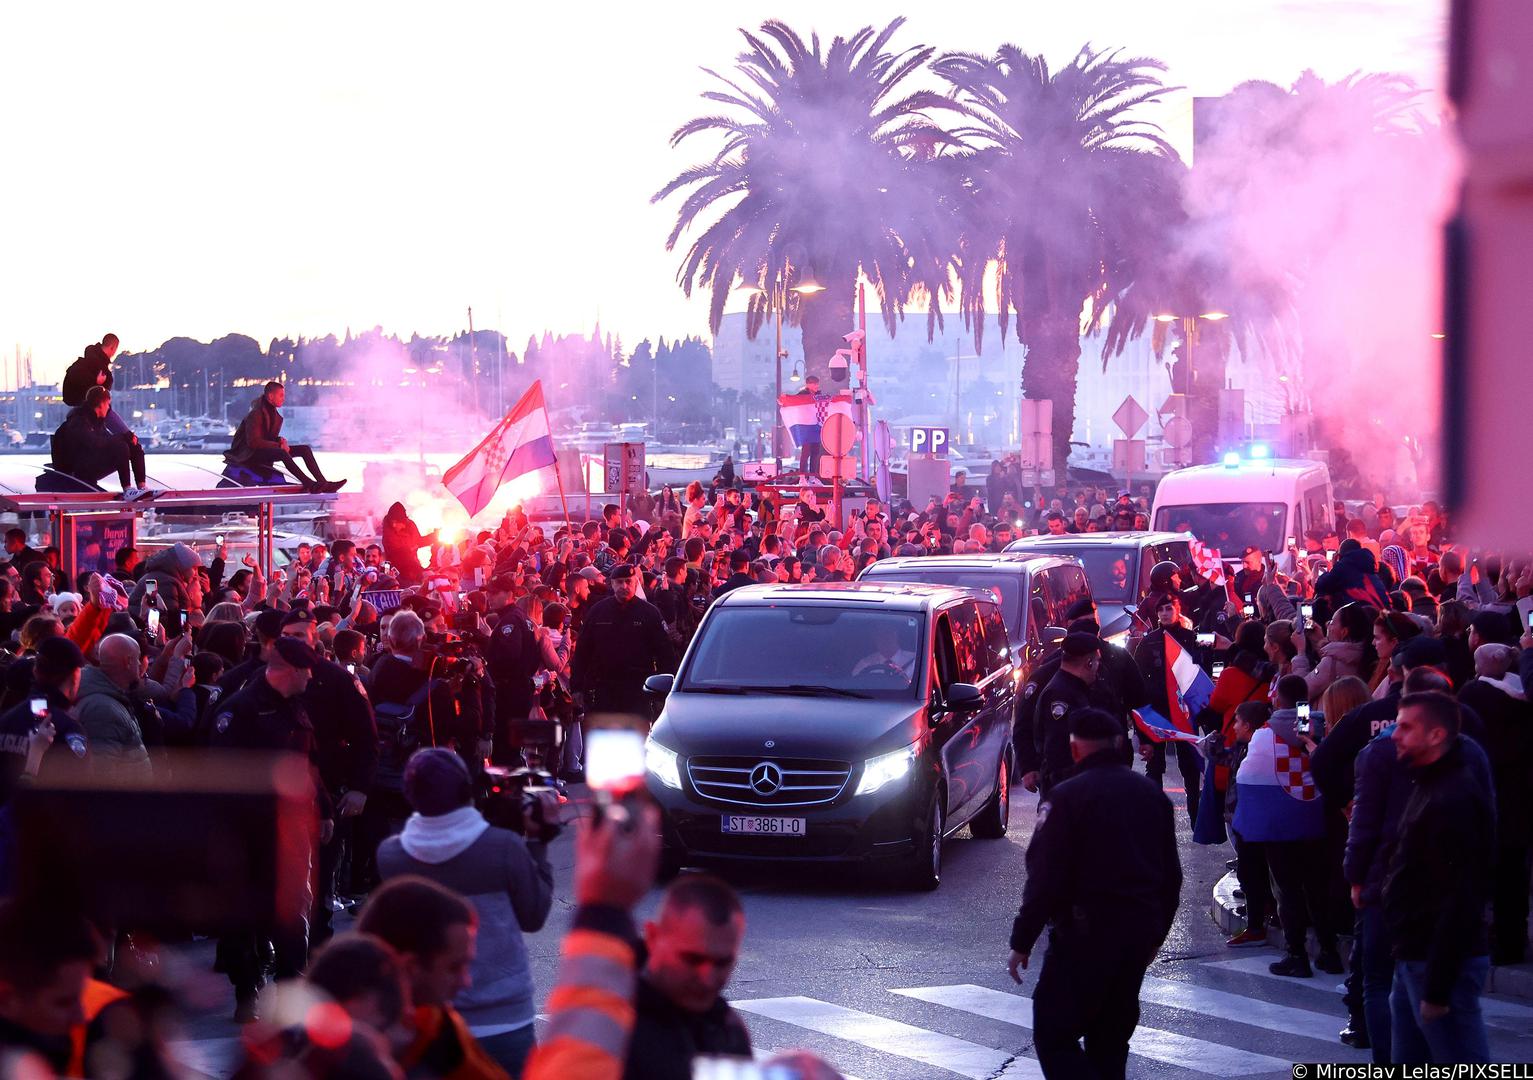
column 268, row 715
column 1067, row 692
column 1201, row 601
column 53, row 740
column 1104, row 875
column 1151, row 658
column 1119, row 688
column 268, row 628
column 512, row 658
column 623, row 643
column 346, row 741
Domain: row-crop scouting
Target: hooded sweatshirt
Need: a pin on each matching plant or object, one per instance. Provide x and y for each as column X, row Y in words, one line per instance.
column 511, row 886
column 168, row 570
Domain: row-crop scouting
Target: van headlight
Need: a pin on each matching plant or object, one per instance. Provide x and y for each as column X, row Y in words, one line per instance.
column 662, row 764
column 885, row 769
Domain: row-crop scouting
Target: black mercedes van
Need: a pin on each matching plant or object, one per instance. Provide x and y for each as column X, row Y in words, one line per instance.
column 836, row 723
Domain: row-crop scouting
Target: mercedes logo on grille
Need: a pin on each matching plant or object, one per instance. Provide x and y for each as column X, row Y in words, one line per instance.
column 766, row 779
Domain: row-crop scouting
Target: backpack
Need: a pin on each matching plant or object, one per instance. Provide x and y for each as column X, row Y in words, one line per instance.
column 399, row 735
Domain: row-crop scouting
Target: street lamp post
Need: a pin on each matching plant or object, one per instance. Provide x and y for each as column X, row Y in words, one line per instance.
column 1189, row 333
column 778, row 298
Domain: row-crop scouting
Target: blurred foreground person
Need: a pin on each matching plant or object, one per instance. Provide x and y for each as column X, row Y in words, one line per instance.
column 681, row 1013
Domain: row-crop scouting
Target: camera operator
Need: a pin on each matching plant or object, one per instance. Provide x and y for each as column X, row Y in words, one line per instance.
column 506, row 878
column 414, row 701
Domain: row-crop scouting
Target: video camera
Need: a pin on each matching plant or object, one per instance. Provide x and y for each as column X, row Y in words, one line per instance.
column 451, row 656
column 523, row 800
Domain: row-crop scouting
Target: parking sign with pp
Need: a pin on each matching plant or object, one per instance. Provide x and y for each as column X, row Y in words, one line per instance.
column 929, row 440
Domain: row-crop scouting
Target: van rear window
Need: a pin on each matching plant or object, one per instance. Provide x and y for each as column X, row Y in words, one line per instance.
column 1006, row 587
column 1229, row 528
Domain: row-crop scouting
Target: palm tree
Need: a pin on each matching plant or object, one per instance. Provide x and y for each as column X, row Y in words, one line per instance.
column 1062, row 178
column 820, row 178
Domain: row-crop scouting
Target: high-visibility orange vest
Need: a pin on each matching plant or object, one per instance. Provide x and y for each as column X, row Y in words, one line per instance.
column 95, row 997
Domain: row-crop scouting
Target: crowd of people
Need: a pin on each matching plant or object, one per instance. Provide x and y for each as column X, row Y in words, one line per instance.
column 1364, row 742
column 411, row 684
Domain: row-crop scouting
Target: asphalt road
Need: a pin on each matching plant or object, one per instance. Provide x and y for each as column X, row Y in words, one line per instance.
column 890, row 984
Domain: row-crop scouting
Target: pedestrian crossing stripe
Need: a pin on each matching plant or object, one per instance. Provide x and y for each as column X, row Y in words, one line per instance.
column 1498, row 1013
column 1152, row 1043
column 894, row 1037
column 1243, row 1009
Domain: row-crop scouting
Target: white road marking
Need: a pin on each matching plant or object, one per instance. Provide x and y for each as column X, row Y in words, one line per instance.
column 893, row 1037
column 1498, row 1012
column 1169, row 1047
column 1239, row 1008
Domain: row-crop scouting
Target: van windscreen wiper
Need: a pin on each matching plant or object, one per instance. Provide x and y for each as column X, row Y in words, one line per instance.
column 810, row 688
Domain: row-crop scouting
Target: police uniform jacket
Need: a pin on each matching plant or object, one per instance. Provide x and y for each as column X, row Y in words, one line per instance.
column 1051, row 724
column 1103, row 860
column 259, row 718
column 345, row 733
column 69, row 741
column 621, row 645
column 512, row 658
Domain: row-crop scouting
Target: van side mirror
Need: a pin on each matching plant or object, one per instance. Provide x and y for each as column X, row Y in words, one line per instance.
column 659, row 685
column 1054, row 635
column 962, row 697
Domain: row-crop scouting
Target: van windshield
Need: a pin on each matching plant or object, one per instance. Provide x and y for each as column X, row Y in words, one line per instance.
column 873, row 653
column 1229, row 528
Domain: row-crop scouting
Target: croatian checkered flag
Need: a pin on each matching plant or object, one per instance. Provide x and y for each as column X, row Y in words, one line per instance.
column 519, row 444
column 1208, row 562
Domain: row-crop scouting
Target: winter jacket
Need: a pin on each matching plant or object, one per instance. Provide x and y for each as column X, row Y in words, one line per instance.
column 81, row 375
column 1384, row 786
column 81, row 433
column 1439, row 877
column 110, row 722
column 1332, row 762
column 1338, row 659
column 510, row 884
column 667, row 1037
column 168, row 570
column 1355, row 577
column 1509, row 743
column 260, row 430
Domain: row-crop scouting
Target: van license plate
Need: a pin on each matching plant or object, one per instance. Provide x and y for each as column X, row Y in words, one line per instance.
column 767, row 826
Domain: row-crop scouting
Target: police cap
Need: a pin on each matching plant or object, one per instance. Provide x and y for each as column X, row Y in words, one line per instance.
column 1080, row 645
column 1094, row 725
column 297, row 616
column 57, row 659
column 296, row 653
column 623, row 570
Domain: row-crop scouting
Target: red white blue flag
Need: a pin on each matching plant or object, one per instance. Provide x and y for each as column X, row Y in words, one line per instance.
column 519, row 444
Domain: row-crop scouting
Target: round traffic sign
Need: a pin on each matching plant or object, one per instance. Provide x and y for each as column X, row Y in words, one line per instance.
column 1178, row 432
column 837, row 434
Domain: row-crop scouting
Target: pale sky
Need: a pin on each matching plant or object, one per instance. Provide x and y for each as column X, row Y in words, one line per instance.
column 296, row 168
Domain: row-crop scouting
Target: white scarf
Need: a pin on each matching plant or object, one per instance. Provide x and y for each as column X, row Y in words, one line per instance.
column 434, row 840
